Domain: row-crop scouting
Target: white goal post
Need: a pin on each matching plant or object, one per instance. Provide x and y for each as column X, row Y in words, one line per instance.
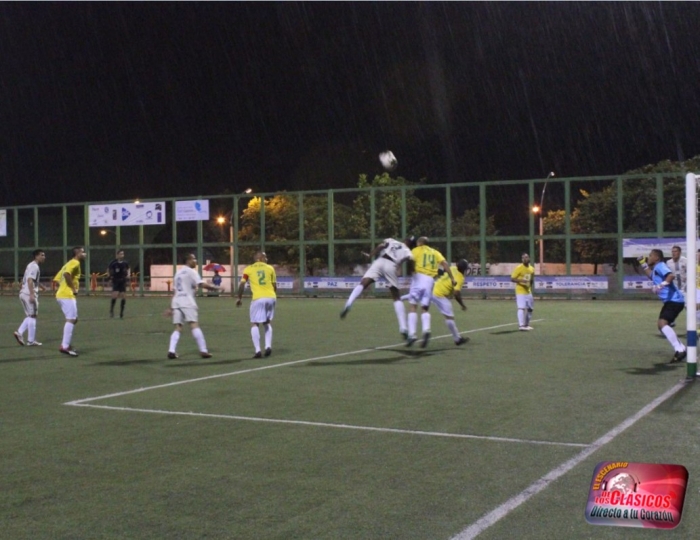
column 691, row 232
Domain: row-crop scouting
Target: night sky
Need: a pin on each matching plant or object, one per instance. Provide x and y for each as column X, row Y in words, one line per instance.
column 107, row 101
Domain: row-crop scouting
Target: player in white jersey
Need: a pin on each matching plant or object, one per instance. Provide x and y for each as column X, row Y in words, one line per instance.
column 29, row 297
column 391, row 254
column 183, row 306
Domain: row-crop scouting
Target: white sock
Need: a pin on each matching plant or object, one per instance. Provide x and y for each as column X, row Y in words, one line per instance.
column 255, row 334
column 23, row 327
column 356, row 292
column 67, row 334
column 400, row 310
column 672, row 338
column 268, row 336
column 174, row 338
column 453, row 328
column 425, row 322
column 521, row 317
column 199, row 337
column 528, row 316
column 31, row 326
column 412, row 323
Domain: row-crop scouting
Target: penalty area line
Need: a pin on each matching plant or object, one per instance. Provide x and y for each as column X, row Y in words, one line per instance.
column 331, row 425
column 261, row 368
column 536, row 487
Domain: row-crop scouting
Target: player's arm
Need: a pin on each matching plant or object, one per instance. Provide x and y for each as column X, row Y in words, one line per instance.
column 448, row 271
column 241, row 289
column 458, row 299
column 32, row 293
column 68, row 277
column 209, row 286
column 377, row 249
column 645, row 266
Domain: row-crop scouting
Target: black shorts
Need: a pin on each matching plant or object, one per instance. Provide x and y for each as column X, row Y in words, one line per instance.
column 671, row 310
column 119, row 285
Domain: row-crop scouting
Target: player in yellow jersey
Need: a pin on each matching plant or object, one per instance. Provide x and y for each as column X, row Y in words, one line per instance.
column 425, row 263
column 444, row 291
column 68, row 279
column 263, row 284
column 524, row 278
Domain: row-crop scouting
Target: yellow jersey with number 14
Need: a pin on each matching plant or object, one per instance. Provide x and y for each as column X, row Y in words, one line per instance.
column 523, row 272
column 262, row 279
column 427, row 260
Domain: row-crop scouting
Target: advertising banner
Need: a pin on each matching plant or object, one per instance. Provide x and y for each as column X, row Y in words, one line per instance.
column 123, row 214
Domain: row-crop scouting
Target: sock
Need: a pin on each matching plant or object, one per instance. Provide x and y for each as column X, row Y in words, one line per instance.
column 31, row 325
column 255, row 334
column 521, row 317
column 67, row 334
column 174, row 338
column 453, row 328
column 199, row 338
column 412, row 323
column 356, row 292
column 400, row 310
column 425, row 322
column 268, row 336
column 528, row 316
column 111, row 306
column 672, row 338
column 121, row 312
column 23, row 327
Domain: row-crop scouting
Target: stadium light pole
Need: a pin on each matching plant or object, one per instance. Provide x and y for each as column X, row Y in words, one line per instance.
column 221, row 220
column 540, row 210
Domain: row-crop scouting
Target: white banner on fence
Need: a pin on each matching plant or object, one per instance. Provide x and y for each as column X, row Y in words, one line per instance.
column 632, row 283
column 3, row 222
column 488, row 283
column 567, row 283
column 640, row 247
column 331, row 282
column 192, row 210
column 107, row 215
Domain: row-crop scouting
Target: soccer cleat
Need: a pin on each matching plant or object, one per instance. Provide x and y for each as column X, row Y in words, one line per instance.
column 268, row 351
column 172, row 355
column 68, row 351
column 525, row 328
column 344, row 313
column 205, row 354
column 679, row 356
column 404, row 334
column 410, row 341
column 257, row 355
column 19, row 339
column 34, row 344
column 426, row 338
column 528, row 327
column 461, row 341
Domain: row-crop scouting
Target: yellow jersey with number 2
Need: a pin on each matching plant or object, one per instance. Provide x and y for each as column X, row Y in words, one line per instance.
column 262, row 279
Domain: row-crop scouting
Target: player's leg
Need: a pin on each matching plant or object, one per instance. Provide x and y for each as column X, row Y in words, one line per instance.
column 19, row 334
column 425, row 319
column 178, row 321
column 115, row 293
column 521, row 304
column 669, row 312
column 399, row 308
column 257, row 316
column 529, row 308
column 122, row 296
column 370, row 277
column 267, row 326
column 198, row 336
column 69, row 306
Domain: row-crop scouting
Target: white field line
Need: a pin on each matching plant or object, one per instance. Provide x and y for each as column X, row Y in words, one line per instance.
column 273, row 366
column 339, row 426
column 533, row 489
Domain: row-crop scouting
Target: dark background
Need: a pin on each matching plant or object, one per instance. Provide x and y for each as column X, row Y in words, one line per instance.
column 107, row 101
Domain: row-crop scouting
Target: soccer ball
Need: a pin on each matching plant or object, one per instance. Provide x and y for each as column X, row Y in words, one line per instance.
column 388, row 160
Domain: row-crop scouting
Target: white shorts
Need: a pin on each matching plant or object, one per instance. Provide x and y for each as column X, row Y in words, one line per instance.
column 262, row 310
column 524, row 301
column 421, row 290
column 185, row 315
column 69, row 306
column 30, row 310
column 444, row 305
column 383, row 268
column 697, row 296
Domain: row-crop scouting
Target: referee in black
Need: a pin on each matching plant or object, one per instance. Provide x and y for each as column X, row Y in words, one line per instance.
column 119, row 274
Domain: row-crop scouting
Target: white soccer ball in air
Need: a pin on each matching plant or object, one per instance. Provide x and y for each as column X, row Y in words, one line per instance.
column 388, row 160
